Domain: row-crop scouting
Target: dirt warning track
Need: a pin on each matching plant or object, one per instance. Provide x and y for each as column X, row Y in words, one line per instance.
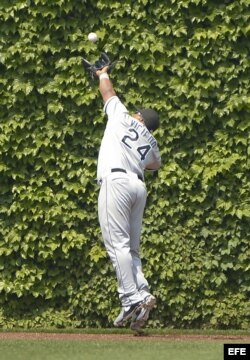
column 119, row 337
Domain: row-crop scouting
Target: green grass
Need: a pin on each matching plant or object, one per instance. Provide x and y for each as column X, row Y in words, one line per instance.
column 110, row 350
column 125, row 349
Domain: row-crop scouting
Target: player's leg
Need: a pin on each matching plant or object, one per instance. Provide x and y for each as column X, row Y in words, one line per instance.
column 135, row 233
column 141, row 316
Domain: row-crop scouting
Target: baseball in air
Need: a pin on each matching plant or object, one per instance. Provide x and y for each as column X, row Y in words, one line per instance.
column 92, row 37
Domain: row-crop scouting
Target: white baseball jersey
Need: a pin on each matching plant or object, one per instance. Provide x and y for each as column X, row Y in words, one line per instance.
column 126, row 144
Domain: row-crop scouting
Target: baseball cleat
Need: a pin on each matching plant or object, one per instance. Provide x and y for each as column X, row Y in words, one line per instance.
column 141, row 315
column 126, row 314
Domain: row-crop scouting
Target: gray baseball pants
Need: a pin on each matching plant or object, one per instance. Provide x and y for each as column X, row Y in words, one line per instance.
column 121, row 204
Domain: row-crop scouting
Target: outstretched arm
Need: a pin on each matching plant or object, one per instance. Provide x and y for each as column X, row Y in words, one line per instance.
column 105, row 85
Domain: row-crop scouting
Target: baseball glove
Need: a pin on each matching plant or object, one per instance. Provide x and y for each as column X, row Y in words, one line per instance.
column 103, row 61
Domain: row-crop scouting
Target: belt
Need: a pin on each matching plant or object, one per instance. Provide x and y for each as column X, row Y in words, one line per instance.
column 126, row 172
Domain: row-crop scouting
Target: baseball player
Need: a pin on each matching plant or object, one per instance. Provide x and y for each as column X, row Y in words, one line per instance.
column 127, row 149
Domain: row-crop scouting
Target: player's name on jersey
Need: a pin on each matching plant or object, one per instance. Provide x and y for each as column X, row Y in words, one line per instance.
column 144, row 132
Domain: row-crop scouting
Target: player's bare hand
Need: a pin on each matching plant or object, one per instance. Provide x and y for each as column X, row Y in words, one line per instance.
column 102, row 71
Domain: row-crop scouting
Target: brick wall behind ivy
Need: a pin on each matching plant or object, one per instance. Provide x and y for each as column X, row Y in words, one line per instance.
column 189, row 59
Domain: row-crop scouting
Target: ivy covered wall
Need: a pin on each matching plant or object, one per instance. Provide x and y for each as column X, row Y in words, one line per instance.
column 188, row 59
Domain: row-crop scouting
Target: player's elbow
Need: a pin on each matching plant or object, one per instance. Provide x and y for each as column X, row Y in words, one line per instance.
column 155, row 165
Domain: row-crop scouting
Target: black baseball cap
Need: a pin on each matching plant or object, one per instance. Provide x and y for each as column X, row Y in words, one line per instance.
column 151, row 118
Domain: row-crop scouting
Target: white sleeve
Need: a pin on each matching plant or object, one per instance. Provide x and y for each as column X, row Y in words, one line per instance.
column 115, row 109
